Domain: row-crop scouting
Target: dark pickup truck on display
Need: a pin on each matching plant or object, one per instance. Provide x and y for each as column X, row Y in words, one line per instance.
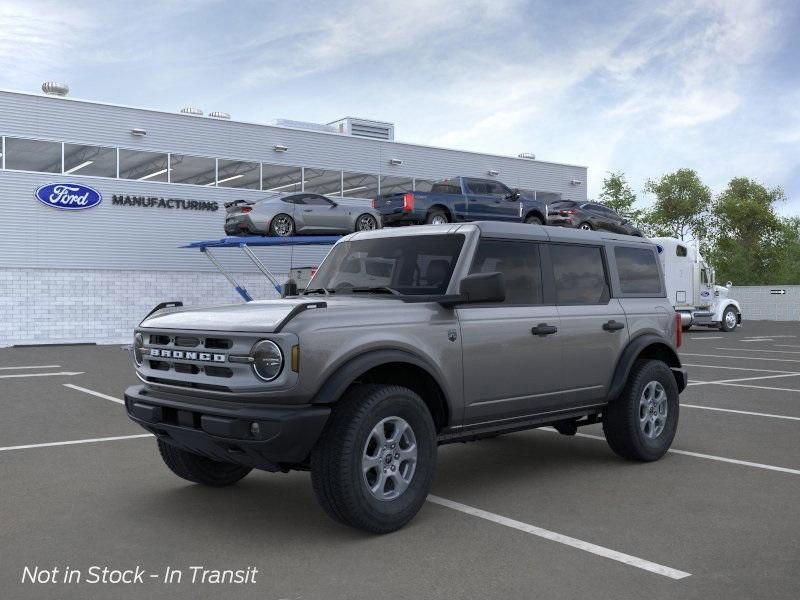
column 461, row 199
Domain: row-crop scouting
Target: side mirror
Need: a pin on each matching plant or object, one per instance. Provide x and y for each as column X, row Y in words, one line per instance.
column 514, row 195
column 289, row 288
column 483, row 287
column 334, row 204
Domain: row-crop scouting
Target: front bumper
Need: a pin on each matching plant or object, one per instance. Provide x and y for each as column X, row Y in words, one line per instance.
column 224, row 430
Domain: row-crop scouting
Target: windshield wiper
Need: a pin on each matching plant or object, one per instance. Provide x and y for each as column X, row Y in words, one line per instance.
column 376, row 290
column 318, row 291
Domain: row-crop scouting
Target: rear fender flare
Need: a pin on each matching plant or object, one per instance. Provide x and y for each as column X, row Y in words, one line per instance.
column 638, row 345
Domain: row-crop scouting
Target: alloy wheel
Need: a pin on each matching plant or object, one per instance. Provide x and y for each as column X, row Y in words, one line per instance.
column 389, row 459
column 366, row 223
column 282, row 225
column 653, row 409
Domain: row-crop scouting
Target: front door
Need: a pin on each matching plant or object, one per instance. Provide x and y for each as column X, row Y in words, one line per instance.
column 321, row 214
column 512, row 350
column 593, row 325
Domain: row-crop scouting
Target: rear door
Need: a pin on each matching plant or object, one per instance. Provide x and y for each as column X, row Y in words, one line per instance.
column 510, row 371
column 593, row 325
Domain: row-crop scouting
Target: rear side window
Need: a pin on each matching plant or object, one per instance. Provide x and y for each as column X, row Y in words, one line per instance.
column 579, row 274
column 519, row 264
column 638, row 271
column 446, row 187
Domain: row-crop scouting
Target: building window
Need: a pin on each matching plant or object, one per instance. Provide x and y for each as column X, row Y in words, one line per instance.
column 195, row 170
column 90, row 160
column 320, row 181
column 279, row 178
column 238, row 174
column 143, row 166
column 423, row 185
column 33, row 155
column 396, row 185
column 359, row 185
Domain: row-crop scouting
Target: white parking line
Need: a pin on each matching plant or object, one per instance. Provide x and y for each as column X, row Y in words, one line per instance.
column 787, row 346
column 741, row 412
column 712, row 337
column 15, row 375
column 793, row 360
column 734, row 461
column 738, row 368
column 72, row 442
column 757, row 340
column 561, row 539
column 93, row 393
column 721, row 381
column 759, row 350
column 760, row 387
column 31, row 367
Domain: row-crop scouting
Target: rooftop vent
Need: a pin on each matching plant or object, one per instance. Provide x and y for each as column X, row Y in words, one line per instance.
column 527, row 155
column 192, row 110
column 53, row 88
column 376, row 130
column 303, row 125
column 219, row 115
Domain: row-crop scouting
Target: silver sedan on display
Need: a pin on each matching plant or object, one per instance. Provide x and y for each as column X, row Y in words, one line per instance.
column 283, row 215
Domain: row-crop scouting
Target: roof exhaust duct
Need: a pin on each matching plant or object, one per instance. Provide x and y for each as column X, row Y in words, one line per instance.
column 219, row 115
column 192, row 110
column 53, row 88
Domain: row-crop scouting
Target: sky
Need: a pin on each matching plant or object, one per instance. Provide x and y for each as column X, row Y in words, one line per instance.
column 639, row 87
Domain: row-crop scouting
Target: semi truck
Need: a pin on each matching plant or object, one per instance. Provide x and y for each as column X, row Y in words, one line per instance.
column 692, row 288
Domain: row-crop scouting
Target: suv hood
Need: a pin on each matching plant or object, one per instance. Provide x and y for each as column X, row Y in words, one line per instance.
column 263, row 316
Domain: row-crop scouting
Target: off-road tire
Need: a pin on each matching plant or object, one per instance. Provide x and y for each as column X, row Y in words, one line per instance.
column 336, row 467
column 435, row 213
column 533, row 220
column 723, row 326
column 621, row 418
column 200, row 469
column 272, row 230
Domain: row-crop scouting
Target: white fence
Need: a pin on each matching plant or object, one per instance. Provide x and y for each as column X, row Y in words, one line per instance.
column 770, row 303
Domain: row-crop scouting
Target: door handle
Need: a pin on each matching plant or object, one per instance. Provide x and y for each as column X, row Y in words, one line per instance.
column 307, row 210
column 612, row 325
column 543, row 329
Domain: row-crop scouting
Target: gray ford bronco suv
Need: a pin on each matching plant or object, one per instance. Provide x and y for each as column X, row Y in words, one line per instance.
column 410, row 338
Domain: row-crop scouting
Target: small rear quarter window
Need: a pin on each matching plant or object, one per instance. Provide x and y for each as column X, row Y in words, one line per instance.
column 638, row 271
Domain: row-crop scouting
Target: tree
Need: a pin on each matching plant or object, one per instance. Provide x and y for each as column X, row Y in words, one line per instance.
column 752, row 245
column 618, row 196
column 681, row 206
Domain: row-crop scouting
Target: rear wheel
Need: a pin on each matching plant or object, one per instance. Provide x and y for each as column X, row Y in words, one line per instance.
column 729, row 320
column 200, row 469
column 366, row 222
column 282, row 225
column 533, row 220
column 375, row 461
column 586, row 226
column 640, row 424
column 437, row 217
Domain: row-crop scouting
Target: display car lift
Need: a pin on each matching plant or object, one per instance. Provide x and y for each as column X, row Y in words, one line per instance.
column 247, row 243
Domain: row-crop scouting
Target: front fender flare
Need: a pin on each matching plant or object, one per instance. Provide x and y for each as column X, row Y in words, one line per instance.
column 338, row 382
column 632, row 351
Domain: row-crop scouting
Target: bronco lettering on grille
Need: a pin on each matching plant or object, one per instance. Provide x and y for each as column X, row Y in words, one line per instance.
column 203, row 356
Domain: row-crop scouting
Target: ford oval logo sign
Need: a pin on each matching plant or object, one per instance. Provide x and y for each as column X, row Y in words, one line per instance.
column 68, row 196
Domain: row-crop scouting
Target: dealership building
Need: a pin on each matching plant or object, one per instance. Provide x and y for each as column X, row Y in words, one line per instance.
column 161, row 180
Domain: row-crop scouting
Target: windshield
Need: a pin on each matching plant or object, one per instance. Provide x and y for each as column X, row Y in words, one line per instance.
column 408, row 265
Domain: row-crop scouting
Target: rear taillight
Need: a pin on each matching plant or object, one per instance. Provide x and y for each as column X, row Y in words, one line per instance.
column 246, row 209
column 678, row 330
column 571, row 211
column 408, row 202
column 374, row 203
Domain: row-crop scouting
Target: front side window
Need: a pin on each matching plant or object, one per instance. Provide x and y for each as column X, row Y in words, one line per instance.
column 680, row 250
column 496, row 188
column 478, row 187
column 519, row 264
column 579, row 273
column 411, row 265
column 143, row 166
column 638, row 271
column 33, row 155
column 90, row 160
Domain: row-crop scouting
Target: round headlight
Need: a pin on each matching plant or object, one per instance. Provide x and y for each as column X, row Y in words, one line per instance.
column 138, row 344
column 267, row 360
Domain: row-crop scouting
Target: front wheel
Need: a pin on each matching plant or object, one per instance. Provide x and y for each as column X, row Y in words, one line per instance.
column 200, row 469
column 375, row 461
column 281, row 226
column 366, row 222
column 585, row 226
column 533, row 220
column 729, row 320
column 641, row 423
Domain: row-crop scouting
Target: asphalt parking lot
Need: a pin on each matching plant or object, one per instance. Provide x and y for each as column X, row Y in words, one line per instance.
column 527, row 515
